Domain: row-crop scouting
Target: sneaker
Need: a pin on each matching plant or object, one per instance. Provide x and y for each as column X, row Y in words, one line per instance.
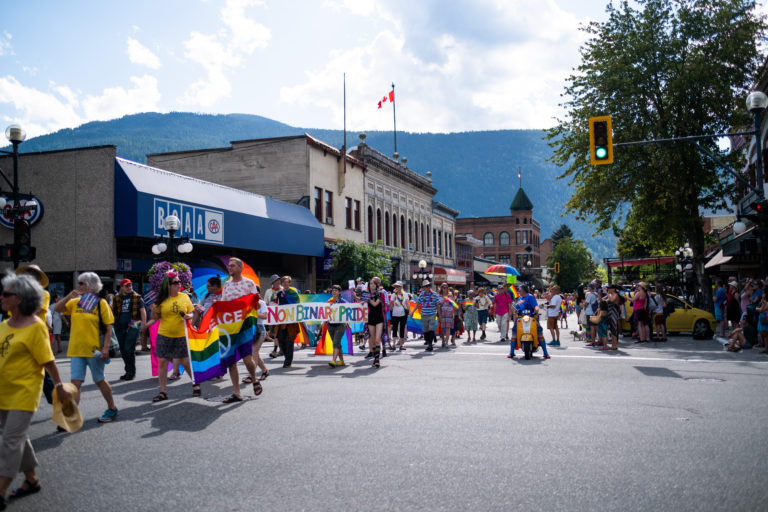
column 510, row 356
column 547, row 357
column 403, row 348
column 483, row 336
column 429, row 348
column 128, row 377
column 332, row 364
column 370, row 355
column 108, row 416
column 554, row 343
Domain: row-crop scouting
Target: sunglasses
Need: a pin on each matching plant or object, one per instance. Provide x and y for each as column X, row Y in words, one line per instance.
column 175, row 282
column 81, row 283
column 8, row 294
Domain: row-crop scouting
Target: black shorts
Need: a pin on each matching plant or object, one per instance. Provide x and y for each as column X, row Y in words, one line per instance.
column 398, row 326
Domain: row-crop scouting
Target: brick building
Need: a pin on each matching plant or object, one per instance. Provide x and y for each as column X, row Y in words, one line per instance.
column 513, row 238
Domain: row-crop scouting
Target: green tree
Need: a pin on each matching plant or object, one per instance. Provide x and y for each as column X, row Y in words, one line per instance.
column 576, row 263
column 561, row 232
column 667, row 68
column 351, row 260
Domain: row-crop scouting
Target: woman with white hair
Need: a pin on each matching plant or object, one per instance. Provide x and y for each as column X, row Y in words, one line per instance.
column 24, row 352
column 87, row 349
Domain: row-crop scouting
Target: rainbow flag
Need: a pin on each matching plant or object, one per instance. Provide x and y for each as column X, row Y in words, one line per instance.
column 562, row 307
column 413, row 323
column 325, row 345
column 224, row 337
column 514, row 292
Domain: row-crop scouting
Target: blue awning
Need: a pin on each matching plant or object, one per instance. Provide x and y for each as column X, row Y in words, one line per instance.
column 210, row 213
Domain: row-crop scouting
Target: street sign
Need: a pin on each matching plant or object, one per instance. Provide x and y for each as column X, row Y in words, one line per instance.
column 745, row 207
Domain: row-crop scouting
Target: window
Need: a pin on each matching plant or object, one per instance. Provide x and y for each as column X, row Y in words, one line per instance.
column 450, row 246
column 410, row 235
column 424, row 238
column 525, row 236
column 504, row 258
column 434, row 238
column 504, row 238
column 488, row 239
column 357, row 215
column 319, row 204
column 394, row 230
column 525, row 220
column 348, row 211
column 517, row 221
column 370, row 224
column 402, row 231
column 378, row 224
column 517, row 237
column 440, row 243
column 386, row 229
column 328, row 207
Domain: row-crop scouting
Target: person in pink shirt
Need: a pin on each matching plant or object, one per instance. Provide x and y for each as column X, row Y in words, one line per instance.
column 502, row 301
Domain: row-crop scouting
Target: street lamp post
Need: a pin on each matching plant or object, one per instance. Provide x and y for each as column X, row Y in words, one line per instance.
column 422, row 274
column 684, row 266
column 21, row 250
column 757, row 102
column 171, row 224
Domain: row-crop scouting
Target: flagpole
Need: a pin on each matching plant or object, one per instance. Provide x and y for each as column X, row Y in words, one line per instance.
column 394, row 116
column 344, row 147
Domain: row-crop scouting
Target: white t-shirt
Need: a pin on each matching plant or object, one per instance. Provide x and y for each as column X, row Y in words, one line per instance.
column 262, row 311
column 659, row 308
column 553, row 308
column 591, row 303
column 398, row 308
column 236, row 289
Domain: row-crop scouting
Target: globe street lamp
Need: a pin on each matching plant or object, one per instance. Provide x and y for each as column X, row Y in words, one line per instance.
column 757, row 102
column 422, row 274
column 684, row 265
column 172, row 223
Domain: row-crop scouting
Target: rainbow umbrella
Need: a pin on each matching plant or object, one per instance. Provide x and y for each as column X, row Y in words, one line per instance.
column 200, row 276
column 502, row 270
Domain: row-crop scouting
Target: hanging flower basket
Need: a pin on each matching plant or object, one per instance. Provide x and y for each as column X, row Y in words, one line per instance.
column 160, row 270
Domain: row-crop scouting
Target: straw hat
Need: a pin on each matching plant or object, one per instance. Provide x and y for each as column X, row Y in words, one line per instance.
column 67, row 414
column 37, row 271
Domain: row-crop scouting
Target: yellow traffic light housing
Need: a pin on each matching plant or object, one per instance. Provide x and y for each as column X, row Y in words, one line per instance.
column 600, row 140
column 557, row 267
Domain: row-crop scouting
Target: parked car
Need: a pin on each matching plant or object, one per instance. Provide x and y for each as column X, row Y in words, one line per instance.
column 686, row 318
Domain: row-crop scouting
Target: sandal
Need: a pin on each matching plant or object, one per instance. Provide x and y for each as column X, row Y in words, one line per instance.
column 264, row 375
column 257, row 389
column 196, row 391
column 174, row 377
column 20, row 492
column 160, row 397
column 232, row 399
column 247, row 380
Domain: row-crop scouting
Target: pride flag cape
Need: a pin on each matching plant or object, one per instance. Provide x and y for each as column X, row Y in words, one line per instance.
column 325, row 345
column 224, row 337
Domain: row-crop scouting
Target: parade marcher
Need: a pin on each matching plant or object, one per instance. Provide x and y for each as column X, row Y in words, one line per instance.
column 58, row 324
column 258, row 341
column 128, row 309
column 553, row 315
column 446, row 312
column 640, row 311
column 502, row 302
column 24, row 351
column 213, row 286
column 373, row 297
column 270, row 297
column 527, row 305
column 172, row 309
column 286, row 333
column 428, row 301
column 482, row 304
column 86, row 349
column 470, row 316
column 336, row 330
column 238, row 286
column 37, row 274
column 399, row 301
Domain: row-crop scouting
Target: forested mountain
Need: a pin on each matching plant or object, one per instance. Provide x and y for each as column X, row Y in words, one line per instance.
column 474, row 172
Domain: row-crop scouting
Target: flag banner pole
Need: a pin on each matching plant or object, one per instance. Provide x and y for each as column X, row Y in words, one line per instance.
column 394, row 116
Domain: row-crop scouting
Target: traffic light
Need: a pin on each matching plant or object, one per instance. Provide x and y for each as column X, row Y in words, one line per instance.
column 557, row 267
column 760, row 207
column 600, row 140
column 22, row 240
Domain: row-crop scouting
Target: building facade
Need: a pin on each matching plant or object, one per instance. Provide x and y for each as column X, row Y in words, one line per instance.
column 512, row 239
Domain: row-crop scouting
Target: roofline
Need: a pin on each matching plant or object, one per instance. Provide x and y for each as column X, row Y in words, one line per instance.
column 229, row 148
column 104, row 146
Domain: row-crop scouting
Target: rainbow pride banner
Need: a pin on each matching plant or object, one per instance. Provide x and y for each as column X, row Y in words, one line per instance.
column 317, row 312
column 325, row 343
column 224, row 337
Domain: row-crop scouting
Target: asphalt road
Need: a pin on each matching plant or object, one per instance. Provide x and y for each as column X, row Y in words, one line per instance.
column 668, row 426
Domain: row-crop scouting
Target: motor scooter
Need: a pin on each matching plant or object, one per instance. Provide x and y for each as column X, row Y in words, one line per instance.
column 527, row 329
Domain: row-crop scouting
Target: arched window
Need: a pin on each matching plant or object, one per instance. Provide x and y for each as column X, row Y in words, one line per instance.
column 378, row 224
column 423, row 238
column 504, row 238
column 402, row 231
column 394, row 230
column 488, row 239
column 370, row 224
column 386, row 229
column 410, row 235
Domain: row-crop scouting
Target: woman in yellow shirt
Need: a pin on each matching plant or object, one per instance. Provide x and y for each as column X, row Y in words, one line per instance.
column 172, row 310
column 86, row 349
column 24, row 352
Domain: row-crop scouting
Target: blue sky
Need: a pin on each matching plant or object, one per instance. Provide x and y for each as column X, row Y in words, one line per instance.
column 457, row 65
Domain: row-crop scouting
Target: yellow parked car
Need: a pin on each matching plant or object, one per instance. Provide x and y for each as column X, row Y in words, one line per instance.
column 686, row 318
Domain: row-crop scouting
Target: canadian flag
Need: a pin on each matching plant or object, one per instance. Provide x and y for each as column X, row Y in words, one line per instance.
column 390, row 97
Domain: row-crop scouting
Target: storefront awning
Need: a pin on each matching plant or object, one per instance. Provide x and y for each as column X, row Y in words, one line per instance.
column 641, row 261
column 450, row 276
column 718, row 259
column 210, row 213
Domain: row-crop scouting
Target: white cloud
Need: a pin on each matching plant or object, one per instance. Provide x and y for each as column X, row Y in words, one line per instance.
column 220, row 52
column 140, row 54
column 5, row 44
column 114, row 102
column 39, row 112
column 488, row 64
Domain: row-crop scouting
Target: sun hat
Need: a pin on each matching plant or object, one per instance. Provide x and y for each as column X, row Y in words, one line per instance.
column 274, row 278
column 425, row 282
column 66, row 414
column 37, row 271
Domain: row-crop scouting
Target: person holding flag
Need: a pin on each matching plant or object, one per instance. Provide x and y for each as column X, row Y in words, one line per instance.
column 527, row 305
column 336, row 329
column 470, row 316
column 428, row 301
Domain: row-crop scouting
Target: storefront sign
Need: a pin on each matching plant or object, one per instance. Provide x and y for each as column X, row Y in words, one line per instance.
column 33, row 216
column 198, row 223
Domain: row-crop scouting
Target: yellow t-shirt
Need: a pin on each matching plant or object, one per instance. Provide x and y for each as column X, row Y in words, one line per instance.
column 84, row 335
column 22, row 353
column 172, row 323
